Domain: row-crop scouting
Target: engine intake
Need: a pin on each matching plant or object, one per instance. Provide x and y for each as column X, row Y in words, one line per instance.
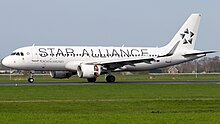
column 88, row 71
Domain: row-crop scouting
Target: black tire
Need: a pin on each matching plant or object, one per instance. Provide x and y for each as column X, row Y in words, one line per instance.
column 110, row 78
column 31, row 80
column 91, row 79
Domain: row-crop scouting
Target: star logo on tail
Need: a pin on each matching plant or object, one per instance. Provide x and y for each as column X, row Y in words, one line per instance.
column 187, row 36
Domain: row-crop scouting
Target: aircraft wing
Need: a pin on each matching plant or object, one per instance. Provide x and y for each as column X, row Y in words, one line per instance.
column 113, row 64
column 194, row 53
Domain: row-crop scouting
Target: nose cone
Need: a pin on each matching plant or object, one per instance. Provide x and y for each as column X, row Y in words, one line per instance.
column 6, row 62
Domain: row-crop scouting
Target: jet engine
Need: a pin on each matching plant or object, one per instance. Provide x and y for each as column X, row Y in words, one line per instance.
column 60, row 74
column 88, row 71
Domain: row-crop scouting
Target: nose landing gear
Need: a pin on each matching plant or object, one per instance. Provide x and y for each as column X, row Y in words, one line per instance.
column 31, row 79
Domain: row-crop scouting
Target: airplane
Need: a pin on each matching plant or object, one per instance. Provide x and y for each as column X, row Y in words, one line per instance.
column 92, row 61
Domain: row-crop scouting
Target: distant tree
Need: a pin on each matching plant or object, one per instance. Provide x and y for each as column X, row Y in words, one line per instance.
column 205, row 64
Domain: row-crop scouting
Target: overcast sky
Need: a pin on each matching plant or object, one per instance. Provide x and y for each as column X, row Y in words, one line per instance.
column 104, row 22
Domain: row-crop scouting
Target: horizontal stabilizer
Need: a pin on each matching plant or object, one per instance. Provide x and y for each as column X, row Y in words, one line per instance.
column 194, row 53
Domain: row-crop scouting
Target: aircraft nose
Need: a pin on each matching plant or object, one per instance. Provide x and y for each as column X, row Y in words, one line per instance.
column 6, row 62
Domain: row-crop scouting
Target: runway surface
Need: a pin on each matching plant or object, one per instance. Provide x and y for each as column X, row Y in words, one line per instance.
column 101, row 83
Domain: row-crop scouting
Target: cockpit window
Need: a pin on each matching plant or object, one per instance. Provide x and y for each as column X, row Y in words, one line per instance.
column 22, row 54
column 17, row 54
column 13, row 53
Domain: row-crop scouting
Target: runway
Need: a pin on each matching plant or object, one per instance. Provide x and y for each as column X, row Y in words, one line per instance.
column 101, row 83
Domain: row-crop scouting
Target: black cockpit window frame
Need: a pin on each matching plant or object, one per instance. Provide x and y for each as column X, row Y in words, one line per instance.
column 17, row 54
column 14, row 53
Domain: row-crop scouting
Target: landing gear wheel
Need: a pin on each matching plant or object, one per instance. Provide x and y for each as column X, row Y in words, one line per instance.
column 31, row 80
column 110, row 78
column 91, row 79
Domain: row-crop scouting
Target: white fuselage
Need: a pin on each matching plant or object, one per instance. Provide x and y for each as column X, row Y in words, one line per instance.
column 68, row 58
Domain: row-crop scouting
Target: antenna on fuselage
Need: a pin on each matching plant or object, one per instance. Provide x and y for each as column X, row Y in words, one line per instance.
column 33, row 45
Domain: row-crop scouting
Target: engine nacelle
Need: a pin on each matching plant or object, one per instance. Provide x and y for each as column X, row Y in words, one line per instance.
column 88, row 71
column 60, row 74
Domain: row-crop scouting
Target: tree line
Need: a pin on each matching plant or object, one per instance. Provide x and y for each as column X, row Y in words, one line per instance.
column 203, row 65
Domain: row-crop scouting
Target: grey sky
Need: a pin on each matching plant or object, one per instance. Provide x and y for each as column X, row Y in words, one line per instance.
column 103, row 22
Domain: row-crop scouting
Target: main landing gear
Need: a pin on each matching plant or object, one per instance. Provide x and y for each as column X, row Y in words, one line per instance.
column 31, row 79
column 110, row 78
column 91, row 80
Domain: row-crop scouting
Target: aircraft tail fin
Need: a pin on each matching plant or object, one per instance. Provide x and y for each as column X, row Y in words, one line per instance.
column 187, row 34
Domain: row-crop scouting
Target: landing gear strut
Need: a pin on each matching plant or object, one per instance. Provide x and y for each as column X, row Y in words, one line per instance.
column 31, row 79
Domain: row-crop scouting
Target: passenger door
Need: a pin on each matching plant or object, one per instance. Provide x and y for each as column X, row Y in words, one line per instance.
column 34, row 54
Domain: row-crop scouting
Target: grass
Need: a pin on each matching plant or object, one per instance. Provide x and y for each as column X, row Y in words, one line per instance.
column 111, row 103
column 136, row 77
